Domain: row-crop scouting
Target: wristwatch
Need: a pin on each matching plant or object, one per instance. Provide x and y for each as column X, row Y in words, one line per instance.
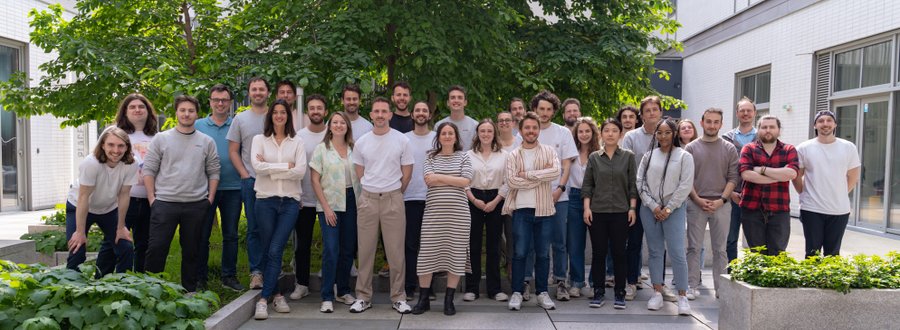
column 724, row 199
column 561, row 188
column 668, row 210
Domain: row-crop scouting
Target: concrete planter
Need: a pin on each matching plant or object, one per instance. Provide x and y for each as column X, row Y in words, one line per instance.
column 745, row 306
column 34, row 229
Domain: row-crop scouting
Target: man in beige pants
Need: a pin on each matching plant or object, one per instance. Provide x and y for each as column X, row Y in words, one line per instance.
column 383, row 163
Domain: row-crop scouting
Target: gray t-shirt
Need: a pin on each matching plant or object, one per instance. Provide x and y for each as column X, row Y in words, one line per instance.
column 107, row 181
column 466, row 128
column 718, row 163
column 182, row 164
column 244, row 127
column 638, row 141
column 310, row 141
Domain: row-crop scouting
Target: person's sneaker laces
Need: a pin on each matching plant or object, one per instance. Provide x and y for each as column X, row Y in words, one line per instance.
column 281, row 305
column 501, row 297
column 360, row 306
column 684, row 308
column 256, row 281
column 469, row 296
column 620, row 302
column 327, row 307
column 515, row 301
column 668, row 295
column 544, row 301
column 401, row 307
column 262, row 311
column 562, row 292
column 300, row 291
column 629, row 292
column 655, row 302
column 692, row 293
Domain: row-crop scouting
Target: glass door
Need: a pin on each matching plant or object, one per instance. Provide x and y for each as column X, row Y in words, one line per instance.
column 894, row 215
column 847, row 121
column 873, row 149
column 9, row 144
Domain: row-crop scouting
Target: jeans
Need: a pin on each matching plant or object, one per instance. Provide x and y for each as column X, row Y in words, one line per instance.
column 275, row 218
column 662, row 236
column 576, row 232
column 111, row 257
column 303, row 228
column 229, row 204
column 338, row 249
column 137, row 219
column 188, row 218
column 415, row 211
column 254, row 245
column 823, row 231
column 609, row 229
column 769, row 229
column 734, row 232
column 531, row 232
column 633, row 248
column 558, row 241
column 493, row 223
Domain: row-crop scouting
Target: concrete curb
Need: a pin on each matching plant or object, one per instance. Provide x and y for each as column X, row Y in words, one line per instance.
column 236, row 313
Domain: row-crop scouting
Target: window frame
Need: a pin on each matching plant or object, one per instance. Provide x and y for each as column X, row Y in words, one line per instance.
column 761, row 108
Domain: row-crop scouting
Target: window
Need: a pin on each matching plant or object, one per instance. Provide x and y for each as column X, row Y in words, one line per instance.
column 756, row 85
column 863, row 67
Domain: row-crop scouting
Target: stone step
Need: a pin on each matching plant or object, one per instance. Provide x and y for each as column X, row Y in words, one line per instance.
column 18, row 251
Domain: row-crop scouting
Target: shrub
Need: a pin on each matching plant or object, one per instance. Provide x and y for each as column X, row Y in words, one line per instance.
column 58, row 218
column 36, row 297
column 50, row 241
column 831, row 272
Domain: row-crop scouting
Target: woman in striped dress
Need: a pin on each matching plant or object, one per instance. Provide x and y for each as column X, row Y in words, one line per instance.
column 446, row 223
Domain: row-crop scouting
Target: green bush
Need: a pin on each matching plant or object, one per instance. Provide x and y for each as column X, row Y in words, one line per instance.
column 58, row 218
column 832, row 272
column 49, row 241
column 36, row 297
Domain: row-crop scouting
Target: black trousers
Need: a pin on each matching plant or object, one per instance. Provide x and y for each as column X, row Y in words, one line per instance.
column 493, row 223
column 415, row 210
column 165, row 217
column 769, row 229
column 137, row 219
column 303, row 240
column 823, row 232
column 609, row 230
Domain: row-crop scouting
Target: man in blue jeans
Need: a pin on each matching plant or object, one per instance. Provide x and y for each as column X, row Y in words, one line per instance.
column 244, row 127
column 739, row 136
column 228, row 194
column 531, row 169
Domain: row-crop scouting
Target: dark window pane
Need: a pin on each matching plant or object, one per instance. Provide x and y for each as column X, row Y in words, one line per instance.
column 846, row 70
column 876, row 64
column 748, row 87
column 763, row 86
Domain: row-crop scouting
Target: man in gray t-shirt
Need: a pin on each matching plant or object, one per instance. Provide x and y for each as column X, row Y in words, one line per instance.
column 244, row 127
column 456, row 101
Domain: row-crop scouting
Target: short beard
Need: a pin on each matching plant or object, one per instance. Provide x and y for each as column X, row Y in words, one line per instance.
column 763, row 140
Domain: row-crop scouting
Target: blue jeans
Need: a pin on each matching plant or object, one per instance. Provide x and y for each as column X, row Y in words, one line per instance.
column 530, row 232
column 633, row 248
column 254, row 245
column 668, row 235
column 558, row 241
column 576, row 238
column 229, row 204
column 338, row 249
column 275, row 217
column 734, row 232
column 111, row 257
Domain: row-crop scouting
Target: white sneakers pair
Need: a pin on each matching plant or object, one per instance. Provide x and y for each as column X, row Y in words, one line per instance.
column 543, row 300
column 656, row 302
column 262, row 308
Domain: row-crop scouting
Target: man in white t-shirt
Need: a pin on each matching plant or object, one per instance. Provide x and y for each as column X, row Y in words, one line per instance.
column 384, row 165
column 456, row 101
column 350, row 98
column 829, row 170
column 311, row 135
column 421, row 139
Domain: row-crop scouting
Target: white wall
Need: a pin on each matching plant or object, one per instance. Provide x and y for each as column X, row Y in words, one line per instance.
column 697, row 15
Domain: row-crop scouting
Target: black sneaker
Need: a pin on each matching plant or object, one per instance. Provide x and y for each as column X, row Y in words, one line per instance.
column 231, row 282
column 620, row 302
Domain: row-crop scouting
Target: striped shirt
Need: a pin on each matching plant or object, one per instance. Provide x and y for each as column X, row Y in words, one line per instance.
column 546, row 170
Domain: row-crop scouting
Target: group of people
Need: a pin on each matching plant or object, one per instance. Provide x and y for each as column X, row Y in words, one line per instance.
column 520, row 186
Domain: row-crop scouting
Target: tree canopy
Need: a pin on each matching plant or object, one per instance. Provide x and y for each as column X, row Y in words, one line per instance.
column 598, row 51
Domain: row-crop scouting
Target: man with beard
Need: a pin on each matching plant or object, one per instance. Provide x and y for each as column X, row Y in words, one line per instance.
column 829, row 170
column 350, row 98
column 401, row 120
column 286, row 90
column 571, row 112
column 517, row 109
column 531, row 169
column 739, row 136
column 715, row 175
column 311, row 135
column 456, row 101
column 766, row 166
column 628, row 116
column 421, row 140
column 244, row 127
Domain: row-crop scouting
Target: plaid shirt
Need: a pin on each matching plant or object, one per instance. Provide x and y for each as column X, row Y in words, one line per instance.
column 773, row 197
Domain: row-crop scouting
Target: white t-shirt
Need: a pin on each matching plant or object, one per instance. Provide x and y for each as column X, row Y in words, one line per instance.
column 139, row 144
column 560, row 138
column 466, row 128
column 107, row 181
column 310, row 140
column 419, row 145
column 360, row 127
column 525, row 198
column 825, row 177
column 382, row 156
column 576, row 173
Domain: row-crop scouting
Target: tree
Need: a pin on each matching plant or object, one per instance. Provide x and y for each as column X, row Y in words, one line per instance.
column 598, row 51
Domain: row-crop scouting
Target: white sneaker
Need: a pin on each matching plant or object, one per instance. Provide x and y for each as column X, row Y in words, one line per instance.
column 630, row 291
column 526, row 294
column 655, row 302
column 262, row 311
column 360, row 306
column 545, row 302
column 281, row 305
column 346, row 299
column 300, row 291
column 574, row 292
column 668, row 295
column 401, row 307
column 683, row 307
column 692, row 293
column 353, row 271
column 562, row 292
column 587, row 292
column 256, row 281
column 327, row 307
column 501, row 297
column 644, row 277
column 468, row 296
column 515, row 302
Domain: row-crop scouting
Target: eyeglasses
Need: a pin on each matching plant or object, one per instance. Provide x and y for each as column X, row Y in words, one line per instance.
column 505, row 121
column 220, row 100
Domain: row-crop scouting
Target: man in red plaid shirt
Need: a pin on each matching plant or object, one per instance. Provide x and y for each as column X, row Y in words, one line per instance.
column 767, row 165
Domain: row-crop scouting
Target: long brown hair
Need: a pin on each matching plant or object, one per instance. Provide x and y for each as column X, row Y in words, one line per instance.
column 495, row 141
column 269, row 125
column 594, row 144
column 100, row 154
column 348, row 137
column 457, row 146
column 150, row 126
